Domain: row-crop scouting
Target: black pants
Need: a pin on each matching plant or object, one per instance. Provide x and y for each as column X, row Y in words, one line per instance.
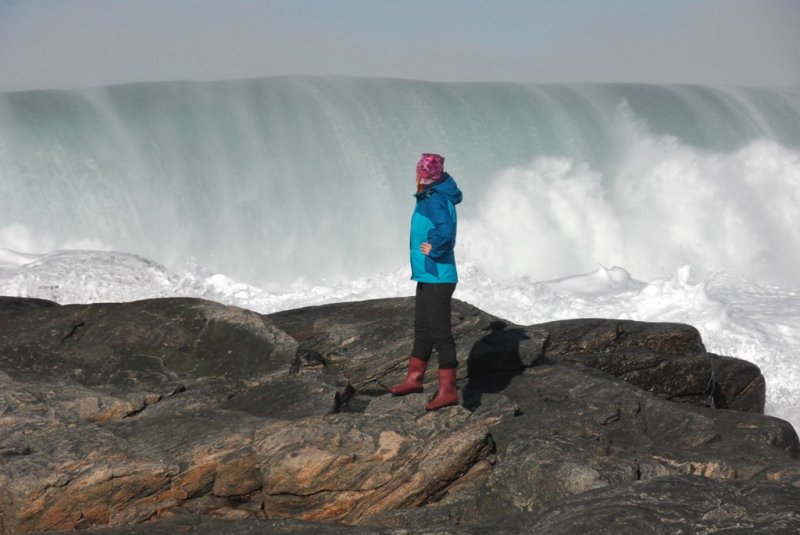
column 432, row 323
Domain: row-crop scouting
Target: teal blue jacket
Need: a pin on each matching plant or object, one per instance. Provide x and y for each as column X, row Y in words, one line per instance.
column 434, row 221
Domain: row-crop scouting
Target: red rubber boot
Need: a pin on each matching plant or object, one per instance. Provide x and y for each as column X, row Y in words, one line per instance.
column 447, row 394
column 413, row 381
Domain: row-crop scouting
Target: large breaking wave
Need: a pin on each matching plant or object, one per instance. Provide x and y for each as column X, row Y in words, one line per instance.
column 272, row 179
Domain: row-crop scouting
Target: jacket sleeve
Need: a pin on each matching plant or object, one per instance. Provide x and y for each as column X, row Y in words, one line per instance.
column 442, row 236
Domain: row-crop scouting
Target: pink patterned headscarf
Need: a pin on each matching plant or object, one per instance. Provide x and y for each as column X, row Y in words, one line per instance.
column 430, row 168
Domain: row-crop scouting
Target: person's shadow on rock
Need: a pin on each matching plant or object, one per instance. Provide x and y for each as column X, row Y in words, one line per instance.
column 493, row 361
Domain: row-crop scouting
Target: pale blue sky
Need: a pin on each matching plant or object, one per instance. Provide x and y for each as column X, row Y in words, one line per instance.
column 74, row 43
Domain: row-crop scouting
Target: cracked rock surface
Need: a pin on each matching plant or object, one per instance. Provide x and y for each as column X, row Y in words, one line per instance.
column 187, row 416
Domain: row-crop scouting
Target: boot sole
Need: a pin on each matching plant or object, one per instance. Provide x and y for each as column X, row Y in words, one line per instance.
column 436, row 408
column 398, row 394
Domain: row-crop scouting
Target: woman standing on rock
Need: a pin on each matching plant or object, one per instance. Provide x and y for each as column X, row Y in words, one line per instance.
column 433, row 266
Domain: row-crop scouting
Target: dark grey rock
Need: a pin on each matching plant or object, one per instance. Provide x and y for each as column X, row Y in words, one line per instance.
column 151, row 344
column 666, row 359
column 293, row 396
column 370, row 341
column 672, row 506
column 24, row 303
column 579, row 431
column 180, row 414
column 738, row 384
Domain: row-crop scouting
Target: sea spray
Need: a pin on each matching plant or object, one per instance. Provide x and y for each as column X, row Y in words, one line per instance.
column 270, row 180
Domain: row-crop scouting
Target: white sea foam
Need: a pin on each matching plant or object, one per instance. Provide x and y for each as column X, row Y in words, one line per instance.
column 665, row 206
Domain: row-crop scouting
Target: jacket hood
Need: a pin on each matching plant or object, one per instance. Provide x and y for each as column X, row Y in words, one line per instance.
column 446, row 186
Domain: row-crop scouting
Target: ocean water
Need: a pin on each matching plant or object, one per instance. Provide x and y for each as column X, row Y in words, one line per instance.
column 657, row 203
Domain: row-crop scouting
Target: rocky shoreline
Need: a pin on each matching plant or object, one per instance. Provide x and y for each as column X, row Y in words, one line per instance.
column 188, row 416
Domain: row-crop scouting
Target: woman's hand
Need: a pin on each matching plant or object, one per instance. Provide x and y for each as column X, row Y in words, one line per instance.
column 425, row 248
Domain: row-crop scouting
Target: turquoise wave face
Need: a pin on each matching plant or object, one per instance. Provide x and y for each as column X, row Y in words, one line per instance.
column 268, row 180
